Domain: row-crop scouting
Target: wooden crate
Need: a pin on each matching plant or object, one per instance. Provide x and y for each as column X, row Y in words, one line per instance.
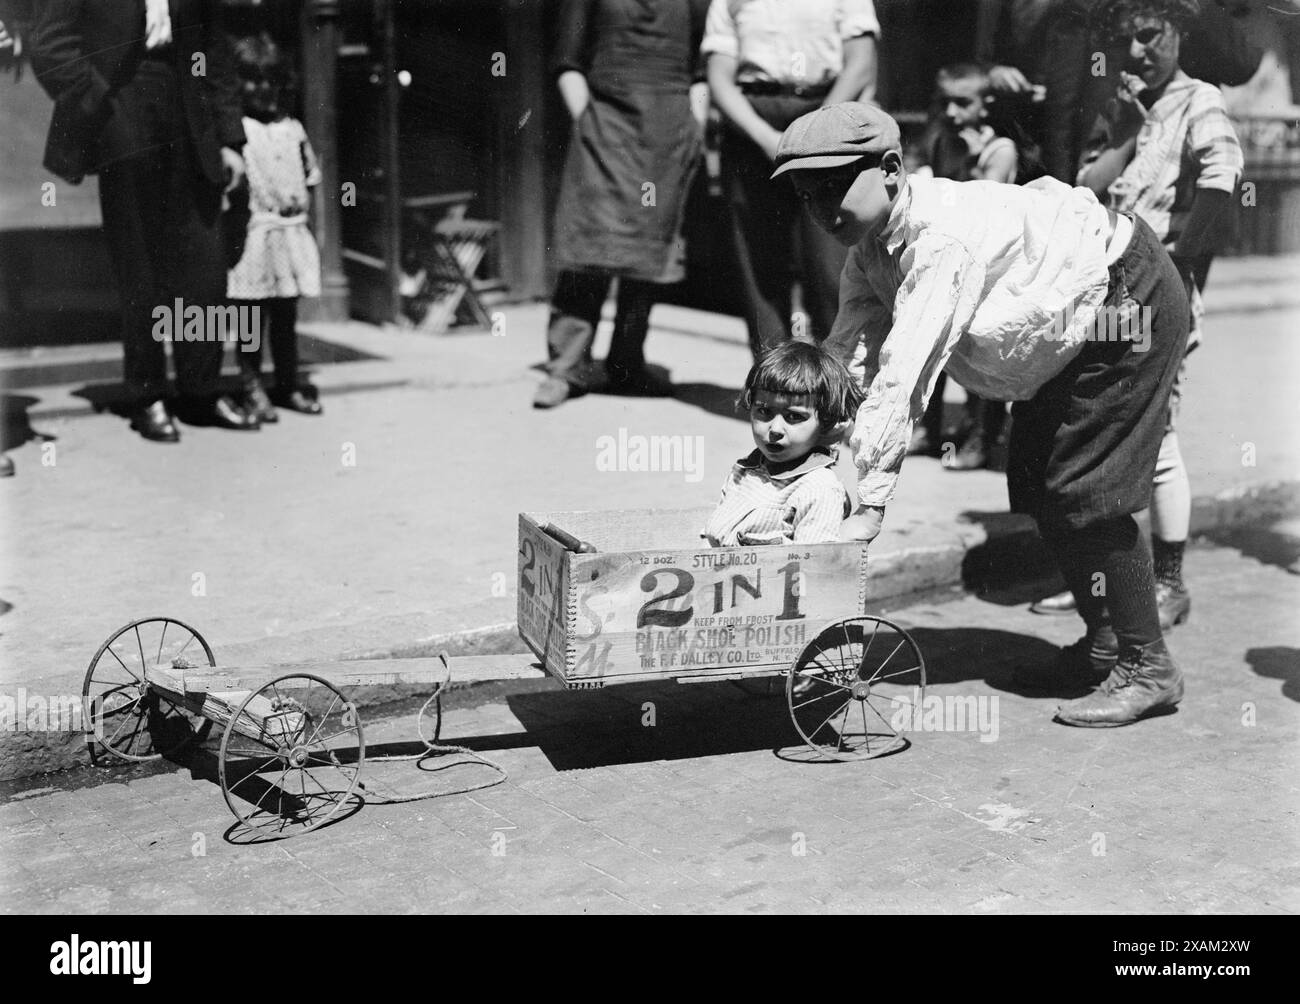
column 657, row 603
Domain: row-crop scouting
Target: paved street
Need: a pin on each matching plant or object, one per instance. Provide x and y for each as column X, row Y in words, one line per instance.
column 280, row 550
column 711, row 809
column 393, row 517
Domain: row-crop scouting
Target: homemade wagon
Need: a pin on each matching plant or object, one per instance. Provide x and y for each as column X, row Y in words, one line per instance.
column 603, row 599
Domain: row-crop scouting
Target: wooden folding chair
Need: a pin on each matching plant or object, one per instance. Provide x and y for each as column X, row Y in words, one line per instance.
column 441, row 261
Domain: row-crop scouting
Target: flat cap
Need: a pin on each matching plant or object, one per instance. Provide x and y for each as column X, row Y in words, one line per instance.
column 836, row 135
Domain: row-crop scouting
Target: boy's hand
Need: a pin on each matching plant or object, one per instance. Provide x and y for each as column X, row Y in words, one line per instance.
column 1129, row 93
column 863, row 525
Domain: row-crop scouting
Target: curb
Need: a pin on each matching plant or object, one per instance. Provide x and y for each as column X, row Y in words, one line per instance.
column 972, row 556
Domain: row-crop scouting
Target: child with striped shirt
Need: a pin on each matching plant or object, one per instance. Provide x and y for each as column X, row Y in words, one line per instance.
column 800, row 402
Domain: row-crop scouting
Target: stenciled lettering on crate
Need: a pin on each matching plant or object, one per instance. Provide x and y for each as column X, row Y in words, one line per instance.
column 542, row 590
column 691, row 613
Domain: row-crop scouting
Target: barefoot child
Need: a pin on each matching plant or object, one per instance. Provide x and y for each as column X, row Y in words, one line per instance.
column 1014, row 289
column 800, row 401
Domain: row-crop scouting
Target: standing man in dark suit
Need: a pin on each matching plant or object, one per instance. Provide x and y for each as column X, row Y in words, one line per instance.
column 146, row 97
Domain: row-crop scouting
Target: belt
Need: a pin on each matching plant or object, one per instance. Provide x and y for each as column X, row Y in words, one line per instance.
column 793, row 90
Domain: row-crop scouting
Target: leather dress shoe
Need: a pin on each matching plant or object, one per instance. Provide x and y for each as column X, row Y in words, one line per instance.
column 1174, row 603
column 154, row 422
column 257, row 403
column 297, row 400
column 1060, row 605
column 6, row 466
column 1087, row 662
column 220, row 412
column 1146, row 681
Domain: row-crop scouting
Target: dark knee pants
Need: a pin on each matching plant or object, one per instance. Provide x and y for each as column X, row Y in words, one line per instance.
column 1084, row 448
column 162, row 225
column 775, row 241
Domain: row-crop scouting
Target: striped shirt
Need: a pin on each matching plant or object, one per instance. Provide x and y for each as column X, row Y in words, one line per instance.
column 803, row 506
column 1186, row 142
column 1000, row 283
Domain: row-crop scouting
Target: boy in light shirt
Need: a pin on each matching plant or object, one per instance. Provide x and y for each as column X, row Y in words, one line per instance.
column 1035, row 294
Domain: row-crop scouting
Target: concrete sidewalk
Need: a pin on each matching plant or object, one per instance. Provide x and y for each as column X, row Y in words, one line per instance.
column 387, row 526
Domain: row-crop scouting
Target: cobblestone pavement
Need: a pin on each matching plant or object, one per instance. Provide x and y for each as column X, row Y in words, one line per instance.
column 1192, row 812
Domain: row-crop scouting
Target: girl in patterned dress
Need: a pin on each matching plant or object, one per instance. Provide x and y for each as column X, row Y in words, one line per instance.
column 280, row 261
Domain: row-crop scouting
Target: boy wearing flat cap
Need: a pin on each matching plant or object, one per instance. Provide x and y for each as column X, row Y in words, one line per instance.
column 1036, row 294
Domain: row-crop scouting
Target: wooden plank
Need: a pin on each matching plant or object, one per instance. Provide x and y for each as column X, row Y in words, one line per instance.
column 350, row 673
column 372, row 672
column 260, row 721
column 630, row 530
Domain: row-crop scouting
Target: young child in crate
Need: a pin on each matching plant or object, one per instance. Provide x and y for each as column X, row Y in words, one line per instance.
column 1164, row 149
column 800, row 402
column 1007, row 286
column 280, row 261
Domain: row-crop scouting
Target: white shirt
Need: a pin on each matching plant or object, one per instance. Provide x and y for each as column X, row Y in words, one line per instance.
column 787, row 41
column 1000, row 283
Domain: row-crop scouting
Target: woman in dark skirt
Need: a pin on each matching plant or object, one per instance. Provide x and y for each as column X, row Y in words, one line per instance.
column 626, row 71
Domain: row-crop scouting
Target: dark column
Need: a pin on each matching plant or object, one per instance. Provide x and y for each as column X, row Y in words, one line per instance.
column 521, row 149
column 319, row 56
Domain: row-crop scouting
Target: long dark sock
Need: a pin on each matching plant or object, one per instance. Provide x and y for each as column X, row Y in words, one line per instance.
column 1112, row 557
column 1089, row 600
column 283, row 332
column 1168, row 561
column 626, row 359
column 248, row 352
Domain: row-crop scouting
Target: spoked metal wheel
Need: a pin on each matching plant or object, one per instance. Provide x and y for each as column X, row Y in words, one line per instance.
column 291, row 756
column 122, row 712
column 850, row 683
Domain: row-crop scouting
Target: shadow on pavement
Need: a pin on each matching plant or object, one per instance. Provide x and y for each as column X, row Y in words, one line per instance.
column 1013, row 554
column 710, row 397
column 1265, row 544
column 580, row 730
column 1278, row 662
column 15, row 423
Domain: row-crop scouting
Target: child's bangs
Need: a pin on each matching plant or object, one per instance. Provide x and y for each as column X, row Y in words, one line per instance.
column 800, row 370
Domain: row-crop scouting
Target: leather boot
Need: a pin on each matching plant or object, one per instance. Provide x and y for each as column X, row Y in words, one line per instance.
column 1086, row 663
column 153, row 421
column 1145, row 681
